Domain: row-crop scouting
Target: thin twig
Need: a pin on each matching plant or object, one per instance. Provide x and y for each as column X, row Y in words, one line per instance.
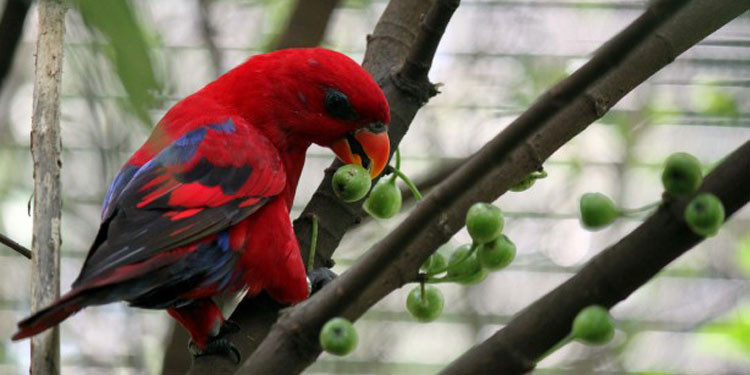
column 5, row 240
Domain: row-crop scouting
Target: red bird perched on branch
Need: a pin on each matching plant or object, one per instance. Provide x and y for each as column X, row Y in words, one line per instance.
column 199, row 216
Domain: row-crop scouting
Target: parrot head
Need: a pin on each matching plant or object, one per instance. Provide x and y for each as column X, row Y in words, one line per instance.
column 314, row 95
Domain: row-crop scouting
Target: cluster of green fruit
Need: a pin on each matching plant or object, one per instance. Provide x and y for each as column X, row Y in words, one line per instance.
column 467, row 265
column 351, row 183
column 682, row 175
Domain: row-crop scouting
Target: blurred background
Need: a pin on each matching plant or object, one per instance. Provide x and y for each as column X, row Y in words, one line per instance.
column 127, row 62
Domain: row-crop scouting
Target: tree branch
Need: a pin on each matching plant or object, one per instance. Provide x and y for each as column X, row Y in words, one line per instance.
column 11, row 28
column 307, row 24
column 46, row 147
column 5, row 240
column 407, row 90
column 648, row 44
column 606, row 279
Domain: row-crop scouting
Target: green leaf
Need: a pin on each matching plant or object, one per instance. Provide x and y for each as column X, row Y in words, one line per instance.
column 129, row 51
column 730, row 337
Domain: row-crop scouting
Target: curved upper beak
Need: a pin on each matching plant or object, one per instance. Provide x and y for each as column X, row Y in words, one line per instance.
column 368, row 147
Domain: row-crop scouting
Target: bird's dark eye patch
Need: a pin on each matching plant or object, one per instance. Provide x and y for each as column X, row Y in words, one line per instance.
column 338, row 106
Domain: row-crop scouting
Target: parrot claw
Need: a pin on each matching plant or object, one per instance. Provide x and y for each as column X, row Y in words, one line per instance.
column 217, row 346
column 229, row 327
column 319, row 278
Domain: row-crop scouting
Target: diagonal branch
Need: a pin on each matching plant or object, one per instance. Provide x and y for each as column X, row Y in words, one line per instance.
column 647, row 45
column 5, row 240
column 605, row 280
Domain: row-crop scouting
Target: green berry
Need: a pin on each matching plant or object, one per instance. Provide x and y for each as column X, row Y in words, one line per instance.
column 351, row 183
column 682, row 174
column 384, row 200
column 434, row 263
column 484, row 222
column 593, row 325
column 597, row 210
column 466, row 271
column 338, row 336
column 705, row 214
column 425, row 308
column 497, row 254
column 524, row 184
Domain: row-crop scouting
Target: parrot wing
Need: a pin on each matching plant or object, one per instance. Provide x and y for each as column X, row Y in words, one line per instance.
column 201, row 184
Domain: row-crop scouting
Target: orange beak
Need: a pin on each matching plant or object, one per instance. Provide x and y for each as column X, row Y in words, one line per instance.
column 365, row 148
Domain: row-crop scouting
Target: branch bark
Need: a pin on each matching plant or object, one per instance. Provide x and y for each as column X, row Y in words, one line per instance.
column 606, row 279
column 46, row 148
column 11, row 28
column 5, row 240
column 648, row 44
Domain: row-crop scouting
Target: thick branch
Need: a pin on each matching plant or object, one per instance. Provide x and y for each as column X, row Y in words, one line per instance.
column 5, row 240
column 647, row 45
column 46, row 148
column 607, row 279
column 11, row 28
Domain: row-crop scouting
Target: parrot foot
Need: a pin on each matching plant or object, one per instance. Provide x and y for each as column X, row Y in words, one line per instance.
column 319, row 278
column 229, row 327
column 216, row 346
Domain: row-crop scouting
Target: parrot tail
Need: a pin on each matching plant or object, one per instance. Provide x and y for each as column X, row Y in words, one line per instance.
column 49, row 316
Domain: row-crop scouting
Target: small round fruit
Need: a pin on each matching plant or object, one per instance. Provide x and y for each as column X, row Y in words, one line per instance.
column 705, row 214
column 484, row 222
column 338, row 336
column 425, row 308
column 351, row 182
column 597, row 210
column 384, row 200
column 524, row 184
column 593, row 325
column 682, row 174
column 434, row 263
column 497, row 254
column 467, row 271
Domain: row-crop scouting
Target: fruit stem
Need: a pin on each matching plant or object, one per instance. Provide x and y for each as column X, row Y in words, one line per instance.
column 448, row 266
column 313, row 243
column 629, row 212
column 539, row 175
column 557, row 346
column 421, row 293
column 409, row 183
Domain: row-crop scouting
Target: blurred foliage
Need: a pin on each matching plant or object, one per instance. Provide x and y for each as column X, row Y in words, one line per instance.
column 539, row 75
column 743, row 254
column 128, row 50
column 729, row 338
column 710, row 99
column 277, row 13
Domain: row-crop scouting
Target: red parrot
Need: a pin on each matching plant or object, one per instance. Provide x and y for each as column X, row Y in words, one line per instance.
column 198, row 217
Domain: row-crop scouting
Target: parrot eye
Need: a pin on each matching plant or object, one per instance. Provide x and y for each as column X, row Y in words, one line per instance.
column 338, row 106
